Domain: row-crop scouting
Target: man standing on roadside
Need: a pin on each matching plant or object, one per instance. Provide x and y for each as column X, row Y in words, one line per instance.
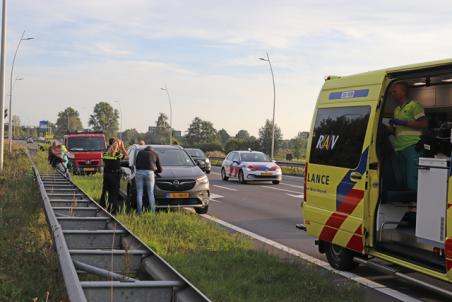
column 147, row 164
column 409, row 120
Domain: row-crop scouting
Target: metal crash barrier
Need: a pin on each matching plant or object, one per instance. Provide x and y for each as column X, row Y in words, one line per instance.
column 100, row 259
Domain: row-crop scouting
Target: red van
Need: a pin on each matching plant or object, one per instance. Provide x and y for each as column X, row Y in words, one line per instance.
column 85, row 151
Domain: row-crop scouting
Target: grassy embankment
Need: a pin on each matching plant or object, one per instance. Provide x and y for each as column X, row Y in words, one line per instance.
column 225, row 266
column 28, row 263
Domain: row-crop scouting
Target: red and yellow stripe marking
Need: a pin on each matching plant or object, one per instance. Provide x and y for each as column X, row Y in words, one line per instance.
column 337, row 219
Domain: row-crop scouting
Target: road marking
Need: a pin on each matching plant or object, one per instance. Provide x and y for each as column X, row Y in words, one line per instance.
column 361, row 280
column 293, row 186
column 214, row 173
column 213, row 197
column 278, row 189
column 296, row 196
column 226, row 188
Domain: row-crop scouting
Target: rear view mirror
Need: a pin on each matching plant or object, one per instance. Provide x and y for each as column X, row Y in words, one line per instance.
column 200, row 163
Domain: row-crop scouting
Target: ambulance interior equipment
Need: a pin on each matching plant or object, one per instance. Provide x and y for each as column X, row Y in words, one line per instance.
column 412, row 224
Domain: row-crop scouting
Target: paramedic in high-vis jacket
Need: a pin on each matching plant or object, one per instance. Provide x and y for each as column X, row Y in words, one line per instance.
column 408, row 121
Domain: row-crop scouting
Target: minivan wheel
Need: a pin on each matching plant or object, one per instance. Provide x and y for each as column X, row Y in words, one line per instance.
column 242, row 177
column 275, row 182
column 202, row 210
column 223, row 175
column 340, row 258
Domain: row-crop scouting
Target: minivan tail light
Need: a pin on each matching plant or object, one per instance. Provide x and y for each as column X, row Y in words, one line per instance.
column 305, row 178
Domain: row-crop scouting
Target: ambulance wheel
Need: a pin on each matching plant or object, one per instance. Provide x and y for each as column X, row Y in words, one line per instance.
column 340, row 258
column 223, row 175
column 242, row 177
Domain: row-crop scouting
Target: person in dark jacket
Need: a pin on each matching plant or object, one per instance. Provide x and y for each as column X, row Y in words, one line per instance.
column 147, row 164
column 104, row 190
column 112, row 175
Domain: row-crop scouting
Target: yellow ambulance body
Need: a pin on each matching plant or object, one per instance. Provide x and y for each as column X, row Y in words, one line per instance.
column 347, row 206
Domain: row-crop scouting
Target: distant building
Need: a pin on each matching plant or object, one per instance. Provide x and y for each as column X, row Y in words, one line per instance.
column 177, row 133
column 152, row 130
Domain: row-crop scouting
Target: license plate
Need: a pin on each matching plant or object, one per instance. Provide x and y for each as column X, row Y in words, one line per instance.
column 266, row 174
column 89, row 169
column 177, row 195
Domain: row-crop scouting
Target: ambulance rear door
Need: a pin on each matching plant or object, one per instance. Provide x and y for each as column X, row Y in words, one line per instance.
column 336, row 178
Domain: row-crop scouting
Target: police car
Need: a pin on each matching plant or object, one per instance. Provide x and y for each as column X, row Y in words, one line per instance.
column 250, row 166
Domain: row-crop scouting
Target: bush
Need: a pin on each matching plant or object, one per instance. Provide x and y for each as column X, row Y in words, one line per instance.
column 238, row 144
column 206, row 147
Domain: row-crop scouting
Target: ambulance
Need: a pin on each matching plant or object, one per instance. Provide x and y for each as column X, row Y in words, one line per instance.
column 355, row 200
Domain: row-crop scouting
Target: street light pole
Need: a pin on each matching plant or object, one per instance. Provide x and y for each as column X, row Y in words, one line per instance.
column 171, row 113
column 120, row 112
column 10, row 130
column 11, row 123
column 2, row 84
column 274, row 105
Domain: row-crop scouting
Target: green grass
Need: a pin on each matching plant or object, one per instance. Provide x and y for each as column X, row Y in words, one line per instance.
column 28, row 263
column 295, row 171
column 91, row 184
column 226, row 266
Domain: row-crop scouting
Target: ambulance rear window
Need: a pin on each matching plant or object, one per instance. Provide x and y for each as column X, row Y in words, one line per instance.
column 339, row 135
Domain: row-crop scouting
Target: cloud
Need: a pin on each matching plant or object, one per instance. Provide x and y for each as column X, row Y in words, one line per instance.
column 207, row 52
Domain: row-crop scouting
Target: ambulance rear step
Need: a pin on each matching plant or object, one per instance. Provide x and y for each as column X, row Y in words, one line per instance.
column 395, row 272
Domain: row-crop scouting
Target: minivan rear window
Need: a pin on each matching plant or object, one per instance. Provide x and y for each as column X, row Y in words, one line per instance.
column 339, row 135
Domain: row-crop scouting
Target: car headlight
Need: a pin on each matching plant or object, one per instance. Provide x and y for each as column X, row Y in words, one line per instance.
column 207, row 160
column 202, row 179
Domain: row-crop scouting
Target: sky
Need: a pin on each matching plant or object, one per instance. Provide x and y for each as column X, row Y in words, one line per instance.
column 207, row 53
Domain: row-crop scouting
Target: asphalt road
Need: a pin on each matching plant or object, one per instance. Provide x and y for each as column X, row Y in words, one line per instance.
column 273, row 211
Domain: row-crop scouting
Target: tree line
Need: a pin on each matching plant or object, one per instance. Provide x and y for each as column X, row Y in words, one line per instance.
column 200, row 133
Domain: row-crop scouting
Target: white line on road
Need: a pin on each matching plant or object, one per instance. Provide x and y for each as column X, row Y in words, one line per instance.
column 214, row 197
column 296, row 196
column 226, row 188
column 278, row 189
column 361, row 280
column 214, row 173
column 293, row 186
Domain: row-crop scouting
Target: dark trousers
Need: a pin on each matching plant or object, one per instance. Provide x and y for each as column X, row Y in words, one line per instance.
column 110, row 192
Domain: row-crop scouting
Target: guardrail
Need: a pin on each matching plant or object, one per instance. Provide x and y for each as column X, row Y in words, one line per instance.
column 113, row 263
column 279, row 163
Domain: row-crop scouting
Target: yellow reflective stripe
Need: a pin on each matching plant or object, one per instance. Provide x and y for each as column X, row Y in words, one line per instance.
column 108, row 156
column 408, row 133
column 419, row 115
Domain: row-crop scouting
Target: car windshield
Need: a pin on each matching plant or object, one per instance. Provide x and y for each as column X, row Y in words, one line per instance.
column 254, row 157
column 86, row 144
column 174, row 157
column 195, row 153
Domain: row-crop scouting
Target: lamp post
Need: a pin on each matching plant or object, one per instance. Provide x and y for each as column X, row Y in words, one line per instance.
column 120, row 112
column 10, row 132
column 274, row 104
column 2, row 83
column 11, row 123
column 171, row 113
